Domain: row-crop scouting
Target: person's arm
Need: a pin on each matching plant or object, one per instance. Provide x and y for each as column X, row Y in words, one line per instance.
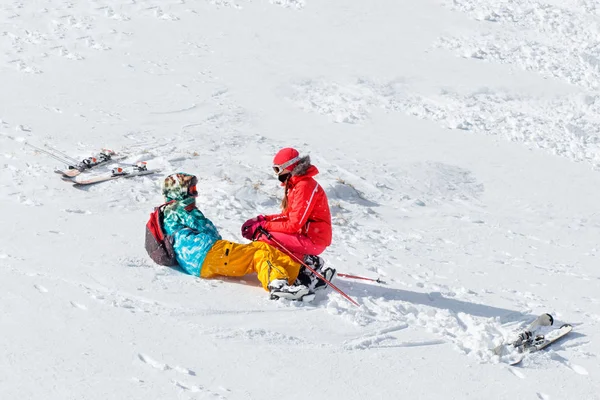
column 276, row 217
column 194, row 219
column 300, row 207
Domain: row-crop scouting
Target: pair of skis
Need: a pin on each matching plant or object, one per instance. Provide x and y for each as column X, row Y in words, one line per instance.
column 75, row 167
column 104, row 157
column 129, row 171
column 536, row 336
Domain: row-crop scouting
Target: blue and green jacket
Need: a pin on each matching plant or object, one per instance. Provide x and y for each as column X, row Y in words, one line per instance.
column 193, row 233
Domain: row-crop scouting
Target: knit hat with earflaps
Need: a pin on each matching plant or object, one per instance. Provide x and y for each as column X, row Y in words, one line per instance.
column 177, row 186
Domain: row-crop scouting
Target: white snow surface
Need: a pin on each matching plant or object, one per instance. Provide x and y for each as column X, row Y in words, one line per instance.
column 458, row 141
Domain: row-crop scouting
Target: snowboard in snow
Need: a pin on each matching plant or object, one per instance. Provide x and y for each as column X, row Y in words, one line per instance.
column 547, row 339
column 536, row 336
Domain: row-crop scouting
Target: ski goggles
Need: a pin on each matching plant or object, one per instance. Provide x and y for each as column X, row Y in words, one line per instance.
column 280, row 168
column 192, row 190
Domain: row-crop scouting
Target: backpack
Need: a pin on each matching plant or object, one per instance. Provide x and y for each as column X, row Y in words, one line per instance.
column 158, row 245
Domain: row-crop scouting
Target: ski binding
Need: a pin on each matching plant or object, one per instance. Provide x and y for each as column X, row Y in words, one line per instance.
column 532, row 339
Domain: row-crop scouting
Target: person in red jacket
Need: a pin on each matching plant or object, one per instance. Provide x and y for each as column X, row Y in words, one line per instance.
column 304, row 225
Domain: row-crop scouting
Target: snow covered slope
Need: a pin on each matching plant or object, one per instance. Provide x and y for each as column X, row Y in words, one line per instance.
column 457, row 141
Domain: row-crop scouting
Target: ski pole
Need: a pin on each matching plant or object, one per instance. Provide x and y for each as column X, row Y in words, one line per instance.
column 378, row 280
column 66, row 156
column 278, row 243
column 62, row 160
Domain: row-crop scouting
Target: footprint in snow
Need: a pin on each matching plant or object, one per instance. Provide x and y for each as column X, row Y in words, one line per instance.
column 77, row 305
column 40, row 288
column 164, row 367
column 184, row 371
column 574, row 367
column 160, row 14
column 516, row 373
column 198, row 389
column 543, row 396
column 153, row 363
column 191, row 388
column 77, row 211
column 579, row 369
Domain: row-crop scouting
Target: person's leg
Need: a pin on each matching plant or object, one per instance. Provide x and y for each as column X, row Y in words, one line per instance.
column 226, row 258
column 234, row 259
column 271, row 264
column 306, row 251
column 297, row 244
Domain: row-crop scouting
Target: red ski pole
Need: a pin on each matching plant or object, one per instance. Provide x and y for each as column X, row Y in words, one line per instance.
column 378, row 280
column 268, row 235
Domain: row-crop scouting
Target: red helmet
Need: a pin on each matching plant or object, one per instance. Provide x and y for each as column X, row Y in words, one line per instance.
column 285, row 159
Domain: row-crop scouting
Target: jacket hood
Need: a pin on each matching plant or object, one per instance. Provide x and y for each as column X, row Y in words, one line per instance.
column 304, row 167
column 303, row 170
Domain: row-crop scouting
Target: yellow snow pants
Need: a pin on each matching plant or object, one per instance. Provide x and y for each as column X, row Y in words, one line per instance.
column 227, row 258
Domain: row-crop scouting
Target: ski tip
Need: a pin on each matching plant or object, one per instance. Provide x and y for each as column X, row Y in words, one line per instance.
column 72, row 173
column 550, row 318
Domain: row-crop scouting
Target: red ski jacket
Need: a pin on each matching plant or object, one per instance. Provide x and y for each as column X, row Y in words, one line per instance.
column 307, row 211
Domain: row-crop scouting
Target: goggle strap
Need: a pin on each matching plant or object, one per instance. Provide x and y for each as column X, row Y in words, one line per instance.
column 287, row 164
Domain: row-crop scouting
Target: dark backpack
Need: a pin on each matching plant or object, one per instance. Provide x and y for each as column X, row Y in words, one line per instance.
column 159, row 245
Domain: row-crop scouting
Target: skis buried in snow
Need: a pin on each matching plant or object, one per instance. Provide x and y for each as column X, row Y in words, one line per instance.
column 536, row 336
column 104, row 157
column 134, row 170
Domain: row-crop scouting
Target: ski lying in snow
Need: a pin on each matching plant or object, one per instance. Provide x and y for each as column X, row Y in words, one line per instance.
column 104, row 157
column 535, row 337
column 134, row 170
